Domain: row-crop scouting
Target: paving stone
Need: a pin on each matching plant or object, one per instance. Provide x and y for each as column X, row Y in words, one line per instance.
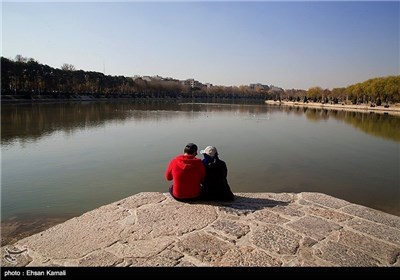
column 230, row 239
column 125, row 263
column 313, row 227
column 204, row 247
column 308, row 242
column 302, row 263
column 169, row 219
column 276, row 239
column 323, row 199
column 246, row 203
column 137, row 200
column 377, row 230
column 248, row 256
column 108, row 213
column 184, row 263
column 341, row 255
column 80, row 236
column 171, row 254
column 256, row 229
column 373, row 215
column 329, row 214
column 100, row 258
column 373, row 247
column 267, row 216
column 155, row 261
column 140, row 248
column 289, row 210
column 128, row 221
column 232, row 228
column 239, row 209
column 305, row 202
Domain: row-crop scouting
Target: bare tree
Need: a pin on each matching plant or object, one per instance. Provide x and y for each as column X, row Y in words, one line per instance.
column 20, row 58
column 68, row 67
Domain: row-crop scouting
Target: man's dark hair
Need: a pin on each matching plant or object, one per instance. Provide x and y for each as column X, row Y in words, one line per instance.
column 190, row 149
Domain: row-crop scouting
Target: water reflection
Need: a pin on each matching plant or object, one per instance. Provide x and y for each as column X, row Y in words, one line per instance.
column 75, row 157
column 30, row 122
column 376, row 124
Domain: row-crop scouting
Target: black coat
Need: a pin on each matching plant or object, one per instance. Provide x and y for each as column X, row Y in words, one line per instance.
column 215, row 185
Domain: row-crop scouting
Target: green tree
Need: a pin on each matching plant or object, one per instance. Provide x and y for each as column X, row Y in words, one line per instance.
column 314, row 93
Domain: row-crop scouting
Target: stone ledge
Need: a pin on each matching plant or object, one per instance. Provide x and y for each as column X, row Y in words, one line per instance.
column 257, row 229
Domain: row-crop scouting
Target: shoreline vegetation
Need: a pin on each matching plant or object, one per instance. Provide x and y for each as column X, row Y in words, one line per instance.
column 393, row 109
column 25, row 79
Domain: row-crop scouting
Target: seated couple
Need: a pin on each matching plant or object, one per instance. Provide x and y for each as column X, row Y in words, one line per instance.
column 195, row 179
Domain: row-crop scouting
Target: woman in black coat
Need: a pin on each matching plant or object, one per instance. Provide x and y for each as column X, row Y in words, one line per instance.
column 215, row 186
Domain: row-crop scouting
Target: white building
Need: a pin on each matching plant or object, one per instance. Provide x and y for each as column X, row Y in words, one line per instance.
column 192, row 83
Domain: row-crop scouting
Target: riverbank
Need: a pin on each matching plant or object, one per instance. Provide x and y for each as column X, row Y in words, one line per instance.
column 10, row 99
column 257, row 229
column 393, row 110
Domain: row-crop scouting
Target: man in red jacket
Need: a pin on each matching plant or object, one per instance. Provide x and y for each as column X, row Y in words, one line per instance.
column 188, row 173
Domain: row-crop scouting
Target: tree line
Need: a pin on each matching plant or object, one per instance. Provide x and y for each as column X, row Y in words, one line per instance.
column 27, row 78
column 376, row 91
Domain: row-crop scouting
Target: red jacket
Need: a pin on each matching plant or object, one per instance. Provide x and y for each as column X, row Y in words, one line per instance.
column 188, row 173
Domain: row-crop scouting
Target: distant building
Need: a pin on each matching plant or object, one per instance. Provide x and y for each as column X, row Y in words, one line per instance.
column 171, row 79
column 274, row 89
column 148, row 78
column 259, row 86
column 156, row 77
column 192, row 83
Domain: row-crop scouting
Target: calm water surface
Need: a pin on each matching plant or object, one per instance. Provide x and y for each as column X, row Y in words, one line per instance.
column 66, row 159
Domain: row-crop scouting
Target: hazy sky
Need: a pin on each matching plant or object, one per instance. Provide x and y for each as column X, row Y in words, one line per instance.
column 286, row 44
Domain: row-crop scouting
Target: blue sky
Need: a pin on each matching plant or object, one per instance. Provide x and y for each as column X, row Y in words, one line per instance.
column 286, row 44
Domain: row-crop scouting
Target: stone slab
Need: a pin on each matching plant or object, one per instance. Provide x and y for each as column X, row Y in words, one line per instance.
column 273, row 238
column 380, row 250
column 325, row 200
column 256, row 229
column 373, row 215
column 379, row 231
column 314, row 227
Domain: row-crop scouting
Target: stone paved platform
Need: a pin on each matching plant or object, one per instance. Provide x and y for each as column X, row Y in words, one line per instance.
column 257, row 229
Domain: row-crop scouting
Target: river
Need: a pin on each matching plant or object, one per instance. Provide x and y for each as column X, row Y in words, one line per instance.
column 63, row 159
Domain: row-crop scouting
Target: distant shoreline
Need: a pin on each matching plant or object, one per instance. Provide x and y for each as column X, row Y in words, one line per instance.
column 8, row 99
column 393, row 110
column 11, row 100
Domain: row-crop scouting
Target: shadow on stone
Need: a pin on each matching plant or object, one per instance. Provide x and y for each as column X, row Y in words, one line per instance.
column 243, row 205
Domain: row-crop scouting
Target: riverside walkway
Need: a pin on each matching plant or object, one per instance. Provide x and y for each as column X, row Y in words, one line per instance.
column 257, row 229
column 393, row 110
